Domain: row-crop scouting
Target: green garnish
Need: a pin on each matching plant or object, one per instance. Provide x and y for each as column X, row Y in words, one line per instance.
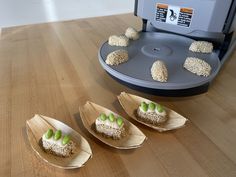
column 144, row 106
column 49, row 133
column 103, row 117
column 112, row 117
column 66, row 139
column 57, row 135
column 119, row 121
column 160, row 108
column 151, row 106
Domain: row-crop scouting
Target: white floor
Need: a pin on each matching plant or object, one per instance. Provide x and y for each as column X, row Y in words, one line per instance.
column 22, row 12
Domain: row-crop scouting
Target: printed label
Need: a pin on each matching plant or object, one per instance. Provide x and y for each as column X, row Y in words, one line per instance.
column 174, row 15
column 185, row 17
column 161, row 12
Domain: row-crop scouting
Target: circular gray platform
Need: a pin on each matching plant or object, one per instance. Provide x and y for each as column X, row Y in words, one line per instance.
column 172, row 49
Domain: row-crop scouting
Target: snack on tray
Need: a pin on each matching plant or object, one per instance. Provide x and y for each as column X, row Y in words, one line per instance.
column 151, row 113
column 132, row 33
column 201, row 46
column 110, row 126
column 159, row 71
column 58, row 144
column 197, row 66
column 115, row 40
column 117, row 57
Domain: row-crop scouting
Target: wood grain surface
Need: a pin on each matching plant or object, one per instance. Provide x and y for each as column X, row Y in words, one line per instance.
column 52, row 69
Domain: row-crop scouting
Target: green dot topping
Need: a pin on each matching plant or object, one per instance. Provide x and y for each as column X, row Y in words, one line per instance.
column 103, row 117
column 144, row 106
column 57, row 135
column 119, row 121
column 151, row 106
column 49, row 133
column 160, row 108
column 66, row 139
column 111, row 117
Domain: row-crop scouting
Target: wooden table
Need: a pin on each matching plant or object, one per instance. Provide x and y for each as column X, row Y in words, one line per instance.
column 52, row 69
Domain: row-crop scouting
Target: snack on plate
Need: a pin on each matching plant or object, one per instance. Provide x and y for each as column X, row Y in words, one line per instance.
column 115, row 40
column 201, row 46
column 159, row 71
column 117, row 57
column 132, row 33
column 151, row 113
column 110, row 126
column 58, row 144
column 197, row 66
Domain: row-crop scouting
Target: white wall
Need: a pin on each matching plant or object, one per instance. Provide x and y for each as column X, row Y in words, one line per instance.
column 22, row 12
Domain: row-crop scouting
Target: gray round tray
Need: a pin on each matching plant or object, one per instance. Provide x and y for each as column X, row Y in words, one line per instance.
column 170, row 48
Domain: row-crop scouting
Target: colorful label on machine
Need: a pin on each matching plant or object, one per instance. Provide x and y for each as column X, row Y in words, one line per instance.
column 175, row 15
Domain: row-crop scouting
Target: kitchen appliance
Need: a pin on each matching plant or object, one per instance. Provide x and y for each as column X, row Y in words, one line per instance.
column 169, row 28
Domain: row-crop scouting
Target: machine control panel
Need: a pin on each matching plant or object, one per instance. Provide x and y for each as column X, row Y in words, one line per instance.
column 201, row 18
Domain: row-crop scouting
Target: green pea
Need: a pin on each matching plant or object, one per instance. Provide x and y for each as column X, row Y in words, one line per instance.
column 57, row 135
column 151, row 106
column 66, row 139
column 144, row 106
column 49, row 133
column 119, row 121
column 103, row 117
column 160, row 108
column 112, row 117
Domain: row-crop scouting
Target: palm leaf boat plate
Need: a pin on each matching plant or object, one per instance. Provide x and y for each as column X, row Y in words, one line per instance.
column 39, row 124
column 130, row 103
column 134, row 137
